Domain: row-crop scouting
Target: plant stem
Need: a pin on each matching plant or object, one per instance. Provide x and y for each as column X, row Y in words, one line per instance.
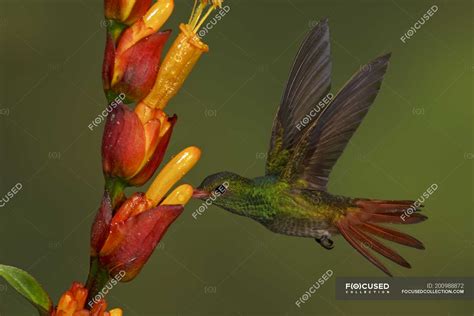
column 115, row 28
column 96, row 281
column 98, row 275
column 115, row 188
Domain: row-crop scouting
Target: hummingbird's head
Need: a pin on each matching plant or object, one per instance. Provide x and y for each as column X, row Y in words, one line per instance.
column 224, row 189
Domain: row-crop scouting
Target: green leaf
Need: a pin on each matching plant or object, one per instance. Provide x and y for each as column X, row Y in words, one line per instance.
column 27, row 286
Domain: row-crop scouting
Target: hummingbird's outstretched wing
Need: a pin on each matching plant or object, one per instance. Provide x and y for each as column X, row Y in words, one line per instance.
column 309, row 137
column 326, row 138
column 309, row 82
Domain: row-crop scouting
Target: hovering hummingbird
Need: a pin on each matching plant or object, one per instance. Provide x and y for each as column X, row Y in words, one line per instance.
column 292, row 198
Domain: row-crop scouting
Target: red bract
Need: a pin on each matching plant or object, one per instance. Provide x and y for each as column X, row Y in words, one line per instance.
column 135, row 142
column 132, row 70
column 124, row 242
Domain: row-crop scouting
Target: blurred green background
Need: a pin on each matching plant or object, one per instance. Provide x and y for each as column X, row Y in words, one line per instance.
column 418, row 133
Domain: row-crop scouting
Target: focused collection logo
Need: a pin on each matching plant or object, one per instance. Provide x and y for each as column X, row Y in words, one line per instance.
column 367, row 288
column 426, row 288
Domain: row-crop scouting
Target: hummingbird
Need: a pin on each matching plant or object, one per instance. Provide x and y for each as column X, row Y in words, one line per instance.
column 310, row 131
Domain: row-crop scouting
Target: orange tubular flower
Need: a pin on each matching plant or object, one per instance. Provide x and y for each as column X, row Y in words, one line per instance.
column 182, row 56
column 73, row 303
column 135, row 142
column 124, row 241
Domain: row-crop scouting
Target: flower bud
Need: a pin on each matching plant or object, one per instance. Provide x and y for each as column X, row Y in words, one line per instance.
column 123, row 241
column 132, row 54
column 134, row 70
column 133, row 234
column 133, row 145
column 73, row 303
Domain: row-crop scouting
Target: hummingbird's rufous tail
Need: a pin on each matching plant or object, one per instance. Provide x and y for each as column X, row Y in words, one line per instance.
column 362, row 223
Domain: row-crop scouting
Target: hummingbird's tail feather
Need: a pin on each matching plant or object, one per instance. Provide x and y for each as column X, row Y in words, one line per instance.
column 393, row 235
column 385, row 206
column 388, row 211
column 359, row 229
column 360, row 247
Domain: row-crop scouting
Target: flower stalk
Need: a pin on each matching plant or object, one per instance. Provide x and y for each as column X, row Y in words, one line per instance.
column 97, row 278
column 126, row 230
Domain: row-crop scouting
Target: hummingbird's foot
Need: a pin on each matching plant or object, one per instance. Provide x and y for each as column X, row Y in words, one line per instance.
column 325, row 242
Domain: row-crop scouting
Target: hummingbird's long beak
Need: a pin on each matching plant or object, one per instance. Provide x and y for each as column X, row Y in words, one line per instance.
column 200, row 194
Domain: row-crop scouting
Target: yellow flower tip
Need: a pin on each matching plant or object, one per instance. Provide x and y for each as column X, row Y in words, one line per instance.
column 180, row 195
column 115, row 312
column 158, row 14
column 174, row 170
column 126, row 9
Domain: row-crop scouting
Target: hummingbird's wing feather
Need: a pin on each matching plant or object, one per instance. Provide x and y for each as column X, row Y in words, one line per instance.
column 325, row 140
column 309, row 82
